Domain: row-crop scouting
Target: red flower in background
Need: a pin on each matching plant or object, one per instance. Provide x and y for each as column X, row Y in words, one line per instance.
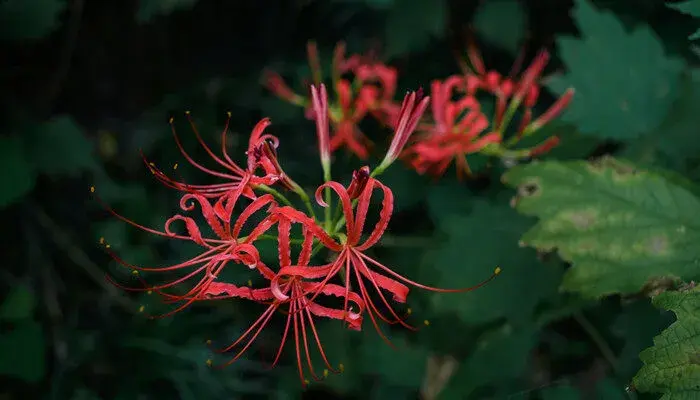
column 370, row 91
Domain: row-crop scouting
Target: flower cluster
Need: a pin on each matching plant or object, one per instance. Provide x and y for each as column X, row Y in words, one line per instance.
column 249, row 204
column 457, row 125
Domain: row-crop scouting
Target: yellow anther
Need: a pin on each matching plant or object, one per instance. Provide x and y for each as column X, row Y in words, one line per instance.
column 170, row 120
column 149, row 292
column 409, row 311
column 92, row 189
column 142, row 308
column 228, row 113
column 426, row 322
column 134, row 272
column 325, row 373
column 306, row 382
column 187, row 112
column 108, row 246
column 250, row 283
column 102, row 240
column 497, row 270
column 209, row 362
column 341, row 367
column 151, row 164
column 175, row 166
column 208, row 342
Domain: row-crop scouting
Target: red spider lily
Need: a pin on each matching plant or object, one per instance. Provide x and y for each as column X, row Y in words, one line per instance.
column 351, row 258
column 456, row 131
column 260, row 156
column 227, row 246
column 371, row 91
column 290, row 289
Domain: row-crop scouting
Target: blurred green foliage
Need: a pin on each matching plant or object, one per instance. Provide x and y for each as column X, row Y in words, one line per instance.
column 583, row 242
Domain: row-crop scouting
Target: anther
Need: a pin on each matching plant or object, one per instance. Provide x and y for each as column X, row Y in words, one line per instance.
column 341, row 367
column 209, row 362
column 497, row 270
column 426, row 322
column 92, row 189
column 250, row 283
column 409, row 311
column 175, row 166
column 142, row 308
column 102, row 240
column 134, row 272
column 325, row 373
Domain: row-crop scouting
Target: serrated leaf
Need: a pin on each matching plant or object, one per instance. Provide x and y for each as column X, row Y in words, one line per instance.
column 625, row 84
column 26, row 361
column 411, row 25
column 153, row 8
column 619, row 226
column 59, row 146
column 29, row 19
column 474, row 245
column 18, row 305
column 18, row 175
column 672, row 365
column 690, row 7
column 501, row 23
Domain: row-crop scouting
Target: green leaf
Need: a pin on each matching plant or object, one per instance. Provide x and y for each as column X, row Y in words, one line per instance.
column 29, row 19
column 476, row 244
column 619, row 226
column 690, row 7
column 150, row 9
column 411, row 25
column 403, row 366
column 26, row 361
column 59, row 147
column 501, row 354
column 672, row 365
column 501, row 23
column 564, row 392
column 18, row 175
column 625, row 84
column 19, row 304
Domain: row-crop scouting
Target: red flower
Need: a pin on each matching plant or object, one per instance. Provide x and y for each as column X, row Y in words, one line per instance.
column 456, row 131
column 351, row 258
column 371, row 91
column 291, row 289
column 227, row 246
column 237, row 181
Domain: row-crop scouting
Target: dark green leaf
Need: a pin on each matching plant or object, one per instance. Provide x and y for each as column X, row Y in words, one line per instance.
column 26, row 360
column 19, row 304
column 29, row 19
column 625, row 84
column 690, row 7
column 59, row 146
column 18, row 174
column 412, row 24
column 153, row 8
column 501, row 23
column 672, row 365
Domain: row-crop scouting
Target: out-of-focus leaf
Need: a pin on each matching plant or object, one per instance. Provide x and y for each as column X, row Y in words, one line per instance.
column 23, row 352
column 19, row 304
column 619, row 226
column 501, row 23
column 501, row 354
column 572, row 145
column 690, row 7
column 18, row 174
column 59, row 146
column 377, row 4
column 672, row 365
column 153, row 8
column 403, row 366
column 608, row 389
column 637, row 324
column 625, row 84
column 563, row 392
column 477, row 243
column 408, row 187
column 412, row 24
column 29, row 19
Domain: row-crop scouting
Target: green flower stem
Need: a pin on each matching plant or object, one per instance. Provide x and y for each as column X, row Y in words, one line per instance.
column 279, row 196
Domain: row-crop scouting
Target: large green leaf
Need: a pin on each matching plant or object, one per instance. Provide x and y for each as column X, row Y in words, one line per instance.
column 672, row 365
column 474, row 245
column 501, row 23
column 19, row 304
column 412, row 23
column 619, row 226
column 59, row 146
column 624, row 82
column 26, row 358
column 29, row 19
column 18, row 174
column 690, row 7
column 153, row 8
